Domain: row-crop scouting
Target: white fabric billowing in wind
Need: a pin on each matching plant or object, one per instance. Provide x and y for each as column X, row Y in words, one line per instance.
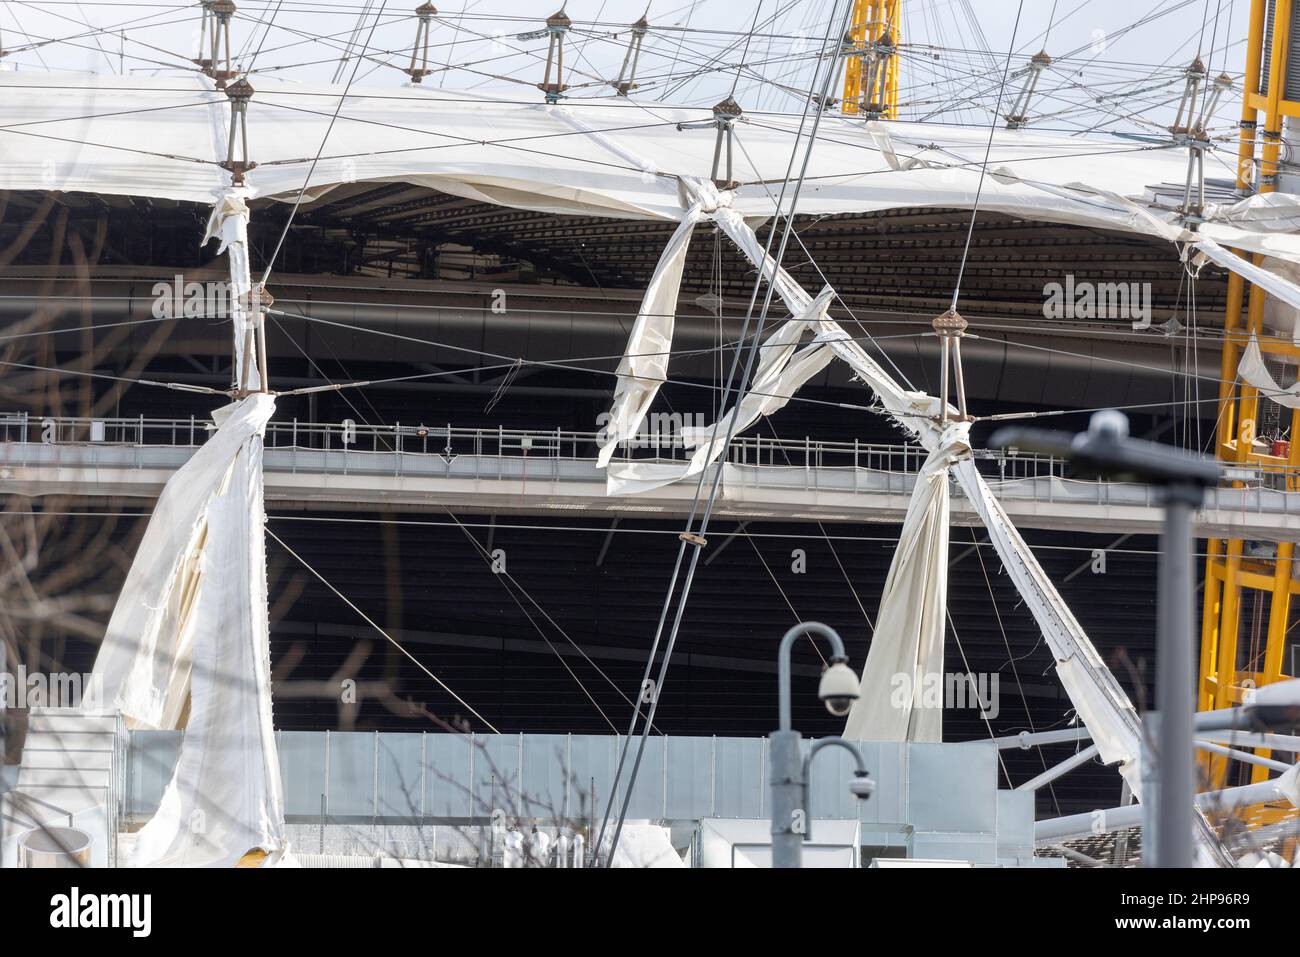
column 785, row 371
column 644, row 366
column 224, row 798
column 1253, row 371
column 1270, row 282
column 144, row 660
column 1281, row 317
column 769, row 391
column 743, row 236
column 1101, row 703
column 228, row 223
column 905, row 662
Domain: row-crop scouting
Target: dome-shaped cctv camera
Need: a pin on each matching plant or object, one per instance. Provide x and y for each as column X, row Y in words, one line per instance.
column 861, row 787
column 838, row 687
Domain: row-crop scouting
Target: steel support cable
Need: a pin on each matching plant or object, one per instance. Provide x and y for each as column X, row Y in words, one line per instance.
column 988, row 725
column 567, row 365
column 178, row 386
column 324, row 139
column 988, row 147
column 371, row 622
column 602, row 529
column 351, row 41
column 312, row 362
column 831, row 42
column 331, row 41
column 570, row 367
column 265, row 33
column 581, row 685
column 113, row 29
column 695, row 74
column 822, row 275
column 1124, row 31
column 483, row 552
column 311, row 39
column 827, row 538
column 1012, row 660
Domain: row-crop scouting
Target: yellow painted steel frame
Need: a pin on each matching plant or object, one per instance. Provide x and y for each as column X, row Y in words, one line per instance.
column 1229, row 568
column 872, row 21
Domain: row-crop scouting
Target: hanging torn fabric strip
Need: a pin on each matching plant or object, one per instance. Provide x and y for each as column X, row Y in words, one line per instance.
column 228, row 223
column 144, row 661
column 903, row 679
column 1254, row 372
column 644, row 366
column 781, row 373
column 1100, row 701
column 224, row 798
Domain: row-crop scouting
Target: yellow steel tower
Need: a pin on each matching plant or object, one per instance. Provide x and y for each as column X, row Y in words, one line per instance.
column 871, row 74
column 1249, row 585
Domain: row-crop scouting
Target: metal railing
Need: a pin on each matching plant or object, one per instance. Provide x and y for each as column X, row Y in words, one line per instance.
column 448, row 442
column 420, row 448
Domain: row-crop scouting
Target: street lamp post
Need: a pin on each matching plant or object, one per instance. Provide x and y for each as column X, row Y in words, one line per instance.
column 1105, row 449
column 839, row 688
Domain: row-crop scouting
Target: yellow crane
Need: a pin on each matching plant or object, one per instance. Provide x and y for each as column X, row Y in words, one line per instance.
column 1249, row 586
column 871, row 74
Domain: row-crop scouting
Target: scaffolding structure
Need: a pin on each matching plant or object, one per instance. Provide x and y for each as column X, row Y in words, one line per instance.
column 871, row 77
column 1247, row 621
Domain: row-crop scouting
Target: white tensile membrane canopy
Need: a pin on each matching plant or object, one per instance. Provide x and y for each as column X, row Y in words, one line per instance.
column 611, row 158
column 908, row 638
column 163, row 137
column 188, row 647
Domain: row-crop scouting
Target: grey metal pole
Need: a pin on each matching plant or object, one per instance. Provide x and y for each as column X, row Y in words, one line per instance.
column 787, row 798
column 1175, row 756
column 786, row 777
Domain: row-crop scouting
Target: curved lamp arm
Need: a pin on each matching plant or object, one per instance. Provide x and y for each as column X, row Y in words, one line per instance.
column 818, row 745
column 783, row 661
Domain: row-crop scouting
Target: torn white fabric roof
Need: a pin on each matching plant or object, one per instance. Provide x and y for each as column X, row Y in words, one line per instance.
column 644, row 365
column 144, row 660
column 905, row 662
column 780, row 373
column 1254, row 372
column 228, row 223
column 224, row 798
column 164, row 136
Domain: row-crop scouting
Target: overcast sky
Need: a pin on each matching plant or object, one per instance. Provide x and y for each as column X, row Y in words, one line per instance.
column 955, row 51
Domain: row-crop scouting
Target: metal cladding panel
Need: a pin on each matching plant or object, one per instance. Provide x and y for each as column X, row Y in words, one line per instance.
column 648, row 796
column 739, row 780
column 592, row 762
column 351, row 774
column 1015, row 823
column 951, row 787
column 943, row 790
column 977, row 848
column 496, row 786
column 547, row 777
column 448, row 759
column 152, row 759
column 302, row 769
column 690, row 779
column 400, row 790
column 828, row 785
